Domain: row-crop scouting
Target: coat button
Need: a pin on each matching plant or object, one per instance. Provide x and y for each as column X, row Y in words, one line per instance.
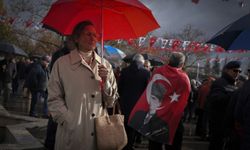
column 92, row 133
column 93, row 95
column 93, row 115
column 92, row 77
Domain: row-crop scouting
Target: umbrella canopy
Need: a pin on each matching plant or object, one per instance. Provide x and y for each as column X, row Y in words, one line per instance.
column 235, row 35
column 12, row 49
column 116, row 19
column 114, row 52
column 154, row 60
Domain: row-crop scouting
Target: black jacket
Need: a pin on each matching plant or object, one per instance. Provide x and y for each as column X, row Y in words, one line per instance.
column 132, row 82
column 57, row 55
column 38, row 78
column 242, row 114
column 220, row 93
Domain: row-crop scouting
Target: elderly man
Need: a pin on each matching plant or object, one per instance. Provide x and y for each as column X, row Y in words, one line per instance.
column 157, row 114
column 132, row 82
column 218, row 100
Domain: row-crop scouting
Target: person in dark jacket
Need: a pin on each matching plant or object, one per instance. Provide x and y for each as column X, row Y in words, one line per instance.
column 38, row 82
column 202, row 122
column 21, row 74
column 232, row 136
column 218, row 99
column 192, row 100
column 242, row 115
column 7, row 73
column 132, row 82
column 68, row 46
column 52, row 125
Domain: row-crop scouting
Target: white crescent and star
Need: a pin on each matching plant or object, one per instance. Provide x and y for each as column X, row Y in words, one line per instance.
column 173, row 98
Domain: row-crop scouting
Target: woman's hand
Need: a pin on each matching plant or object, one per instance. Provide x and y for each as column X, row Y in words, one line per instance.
column 103, row 72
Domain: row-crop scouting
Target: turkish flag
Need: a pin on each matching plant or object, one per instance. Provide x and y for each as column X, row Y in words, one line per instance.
column 157, row 113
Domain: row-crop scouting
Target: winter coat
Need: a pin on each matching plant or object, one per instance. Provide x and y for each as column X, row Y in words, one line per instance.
column 9, row 72
column 75, row 99
column 132, row 82
column 38, row 78
column 242, row 114
column 21, row 67
column 58, row 54
column 221, row 91
column 202, row 94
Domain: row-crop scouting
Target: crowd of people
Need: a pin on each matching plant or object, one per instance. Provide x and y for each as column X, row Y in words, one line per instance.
column 75, row 83
column 23, row 77
column 218, row 108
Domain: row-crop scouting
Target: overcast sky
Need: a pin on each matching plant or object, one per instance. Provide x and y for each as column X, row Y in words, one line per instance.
column 208, row 15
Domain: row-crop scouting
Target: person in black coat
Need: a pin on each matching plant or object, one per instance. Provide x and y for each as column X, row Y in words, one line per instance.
column 68, row 46
column 7, row 74
column 232, row 134
column 132, row 82
column 218, row 99
column 37, row 83
column 242, row 115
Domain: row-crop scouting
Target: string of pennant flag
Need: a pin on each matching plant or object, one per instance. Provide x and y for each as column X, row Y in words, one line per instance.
column 159, row 43
column 152, row 42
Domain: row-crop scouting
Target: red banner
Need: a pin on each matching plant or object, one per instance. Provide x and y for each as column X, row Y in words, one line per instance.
column 157, row 113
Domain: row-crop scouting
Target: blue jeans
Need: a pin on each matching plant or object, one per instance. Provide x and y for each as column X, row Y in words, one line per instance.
column 38, row 96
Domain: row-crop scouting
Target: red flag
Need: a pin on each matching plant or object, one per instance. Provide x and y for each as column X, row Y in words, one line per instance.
column 152, row 41
column 176, row 44
column 157, row 113
column 28, row 23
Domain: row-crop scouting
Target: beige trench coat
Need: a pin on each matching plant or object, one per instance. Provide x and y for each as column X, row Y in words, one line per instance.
column 75, row 100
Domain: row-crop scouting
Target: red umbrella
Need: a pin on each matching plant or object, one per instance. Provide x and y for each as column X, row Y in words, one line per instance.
column 115, row 19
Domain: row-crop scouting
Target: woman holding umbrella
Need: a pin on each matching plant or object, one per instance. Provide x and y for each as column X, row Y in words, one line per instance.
column 75, row 92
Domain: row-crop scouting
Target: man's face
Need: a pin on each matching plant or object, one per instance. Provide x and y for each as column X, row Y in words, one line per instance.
column 234, row 72
column 88, row 38
column 147, row 65
column 45, row 63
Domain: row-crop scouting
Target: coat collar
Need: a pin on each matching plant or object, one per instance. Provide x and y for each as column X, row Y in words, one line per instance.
column 75, row 59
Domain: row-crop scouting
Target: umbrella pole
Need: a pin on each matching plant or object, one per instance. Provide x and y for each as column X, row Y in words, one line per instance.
column 198, row 72
column 102, row 24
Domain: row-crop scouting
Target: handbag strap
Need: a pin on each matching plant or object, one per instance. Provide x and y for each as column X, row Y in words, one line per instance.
column 117, row 107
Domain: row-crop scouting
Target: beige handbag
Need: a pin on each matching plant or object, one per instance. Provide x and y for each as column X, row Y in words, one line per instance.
column 110, row 131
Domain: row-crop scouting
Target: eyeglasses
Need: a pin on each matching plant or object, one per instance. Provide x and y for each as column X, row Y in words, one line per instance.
column 236, row 71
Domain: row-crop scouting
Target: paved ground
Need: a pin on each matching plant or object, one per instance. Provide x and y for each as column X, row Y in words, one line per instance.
column 20, row 106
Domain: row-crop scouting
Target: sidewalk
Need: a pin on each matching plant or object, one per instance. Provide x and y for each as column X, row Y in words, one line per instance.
column 20, row 106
